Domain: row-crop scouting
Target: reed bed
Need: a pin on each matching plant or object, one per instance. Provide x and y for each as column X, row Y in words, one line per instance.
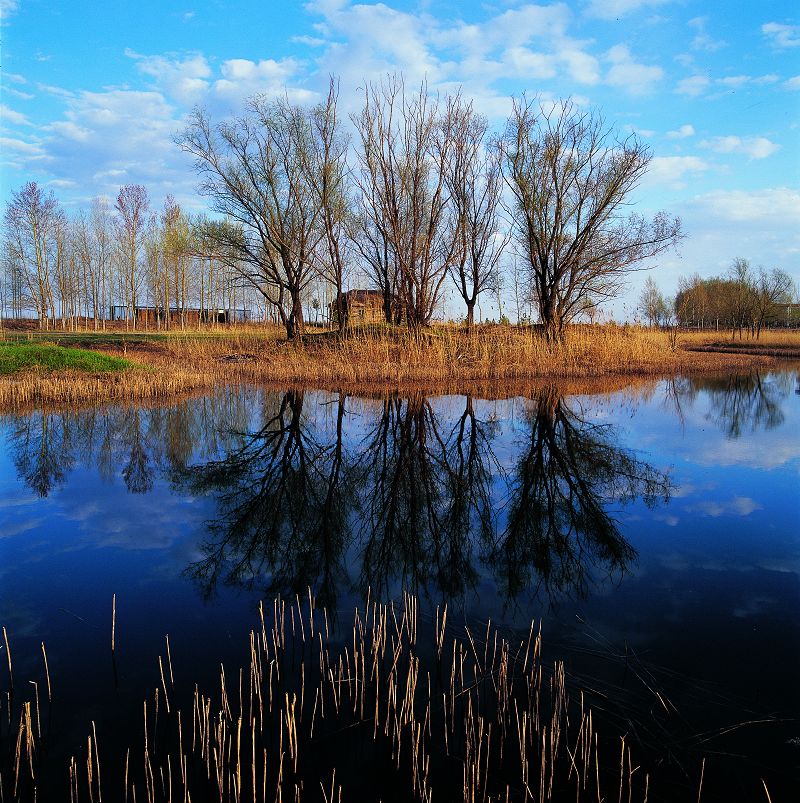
column 440, row 356
column 393, row 709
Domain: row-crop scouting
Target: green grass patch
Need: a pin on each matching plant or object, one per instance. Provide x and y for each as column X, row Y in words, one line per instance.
column 16, row 357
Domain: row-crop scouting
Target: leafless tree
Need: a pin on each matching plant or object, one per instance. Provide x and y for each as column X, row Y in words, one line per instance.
column 132, row 206
column 570, row 178
column 33, row 227
column 255, row 172
column 474, row 183
column 405, row 144
column 329, row 177
column 772, row 289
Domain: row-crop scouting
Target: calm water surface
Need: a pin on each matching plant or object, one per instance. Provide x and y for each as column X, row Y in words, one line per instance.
column 654, row 531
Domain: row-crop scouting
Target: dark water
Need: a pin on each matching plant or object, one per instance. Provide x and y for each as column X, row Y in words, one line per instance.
column 655, row 531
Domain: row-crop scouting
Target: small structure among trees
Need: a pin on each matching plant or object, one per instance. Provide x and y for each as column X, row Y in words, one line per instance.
column 189, row 316
column 363, row 306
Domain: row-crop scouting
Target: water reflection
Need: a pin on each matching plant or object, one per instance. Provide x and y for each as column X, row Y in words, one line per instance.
column 739, row 403
column 340, row 493
column 562, row 490
column 418, row 499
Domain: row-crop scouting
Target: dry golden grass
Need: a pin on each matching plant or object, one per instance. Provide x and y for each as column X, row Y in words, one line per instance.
column 440, row 357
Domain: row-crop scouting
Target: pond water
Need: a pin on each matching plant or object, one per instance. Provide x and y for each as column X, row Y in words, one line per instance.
column 653, row 531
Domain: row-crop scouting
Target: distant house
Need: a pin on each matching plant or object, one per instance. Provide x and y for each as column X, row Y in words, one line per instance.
column 363, row 306
column 151, row 316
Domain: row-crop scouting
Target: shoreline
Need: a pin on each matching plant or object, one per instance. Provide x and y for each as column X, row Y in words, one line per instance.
column 443, row 362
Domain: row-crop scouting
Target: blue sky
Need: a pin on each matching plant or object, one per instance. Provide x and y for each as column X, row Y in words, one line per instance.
column 93, row 93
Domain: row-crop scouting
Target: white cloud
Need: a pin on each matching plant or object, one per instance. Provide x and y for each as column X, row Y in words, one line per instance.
column 625, row 72
column 242, row 78
column 702, row 40
column 8, row 115
column 792, row 83
column 780, row 35
column 20, row 147
column 613, row 9
column 182, row 79
column 779, row 206
column 7, row 8
column 752, row 147
column 683, row 132
column 694, row 85
column 106, row 138
column 673, row 171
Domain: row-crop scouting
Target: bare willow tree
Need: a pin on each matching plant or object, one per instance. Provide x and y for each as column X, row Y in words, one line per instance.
column 570, row 179
column 132, row 206
column 474, row 182
column 255, row 170
column 405, row 145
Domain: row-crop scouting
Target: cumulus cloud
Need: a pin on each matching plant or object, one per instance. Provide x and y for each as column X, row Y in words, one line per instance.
column 781, row 36
column 185, row 79
column 752, row 147
column 628, row 74
column 686, row 130
column 674, row 171
column 242, row 78
column 792, row 83
column 694, row 85
column 780, row 205
column 105, row 139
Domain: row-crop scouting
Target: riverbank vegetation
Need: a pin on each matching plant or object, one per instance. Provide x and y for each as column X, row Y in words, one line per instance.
column 19, row 357
column 444, row 357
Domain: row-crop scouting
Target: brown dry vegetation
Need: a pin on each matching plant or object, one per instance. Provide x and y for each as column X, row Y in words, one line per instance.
column 443, row 357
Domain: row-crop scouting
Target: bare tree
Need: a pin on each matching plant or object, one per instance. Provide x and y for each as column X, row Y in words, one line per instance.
column 652, row 303
column 569, row 178
column 33, row 226
column 330, row 179
column 772, row 289
column 255, row 171
column 474, row 182
column 102, row 241
column 405, row 145
column 132, row 205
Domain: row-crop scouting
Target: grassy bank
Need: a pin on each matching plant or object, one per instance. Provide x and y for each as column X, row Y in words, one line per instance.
column 440, row 357
column 16, row 358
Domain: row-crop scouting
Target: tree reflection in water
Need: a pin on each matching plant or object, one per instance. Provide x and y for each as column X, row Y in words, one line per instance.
column 561, row 491
column 284, row 499
column 404, row 493
column 419, row 503
column 739, row 403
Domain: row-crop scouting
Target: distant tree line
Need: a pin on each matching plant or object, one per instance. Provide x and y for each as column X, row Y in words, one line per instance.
column 743, row 300
column 110, row 261
column 421, row 194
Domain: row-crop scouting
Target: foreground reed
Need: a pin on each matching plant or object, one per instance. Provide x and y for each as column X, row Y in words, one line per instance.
column 439, row 356
column 393, row 709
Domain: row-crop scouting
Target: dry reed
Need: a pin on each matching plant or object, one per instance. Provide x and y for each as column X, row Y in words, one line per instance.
column 413, row 712
column 442, row 355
